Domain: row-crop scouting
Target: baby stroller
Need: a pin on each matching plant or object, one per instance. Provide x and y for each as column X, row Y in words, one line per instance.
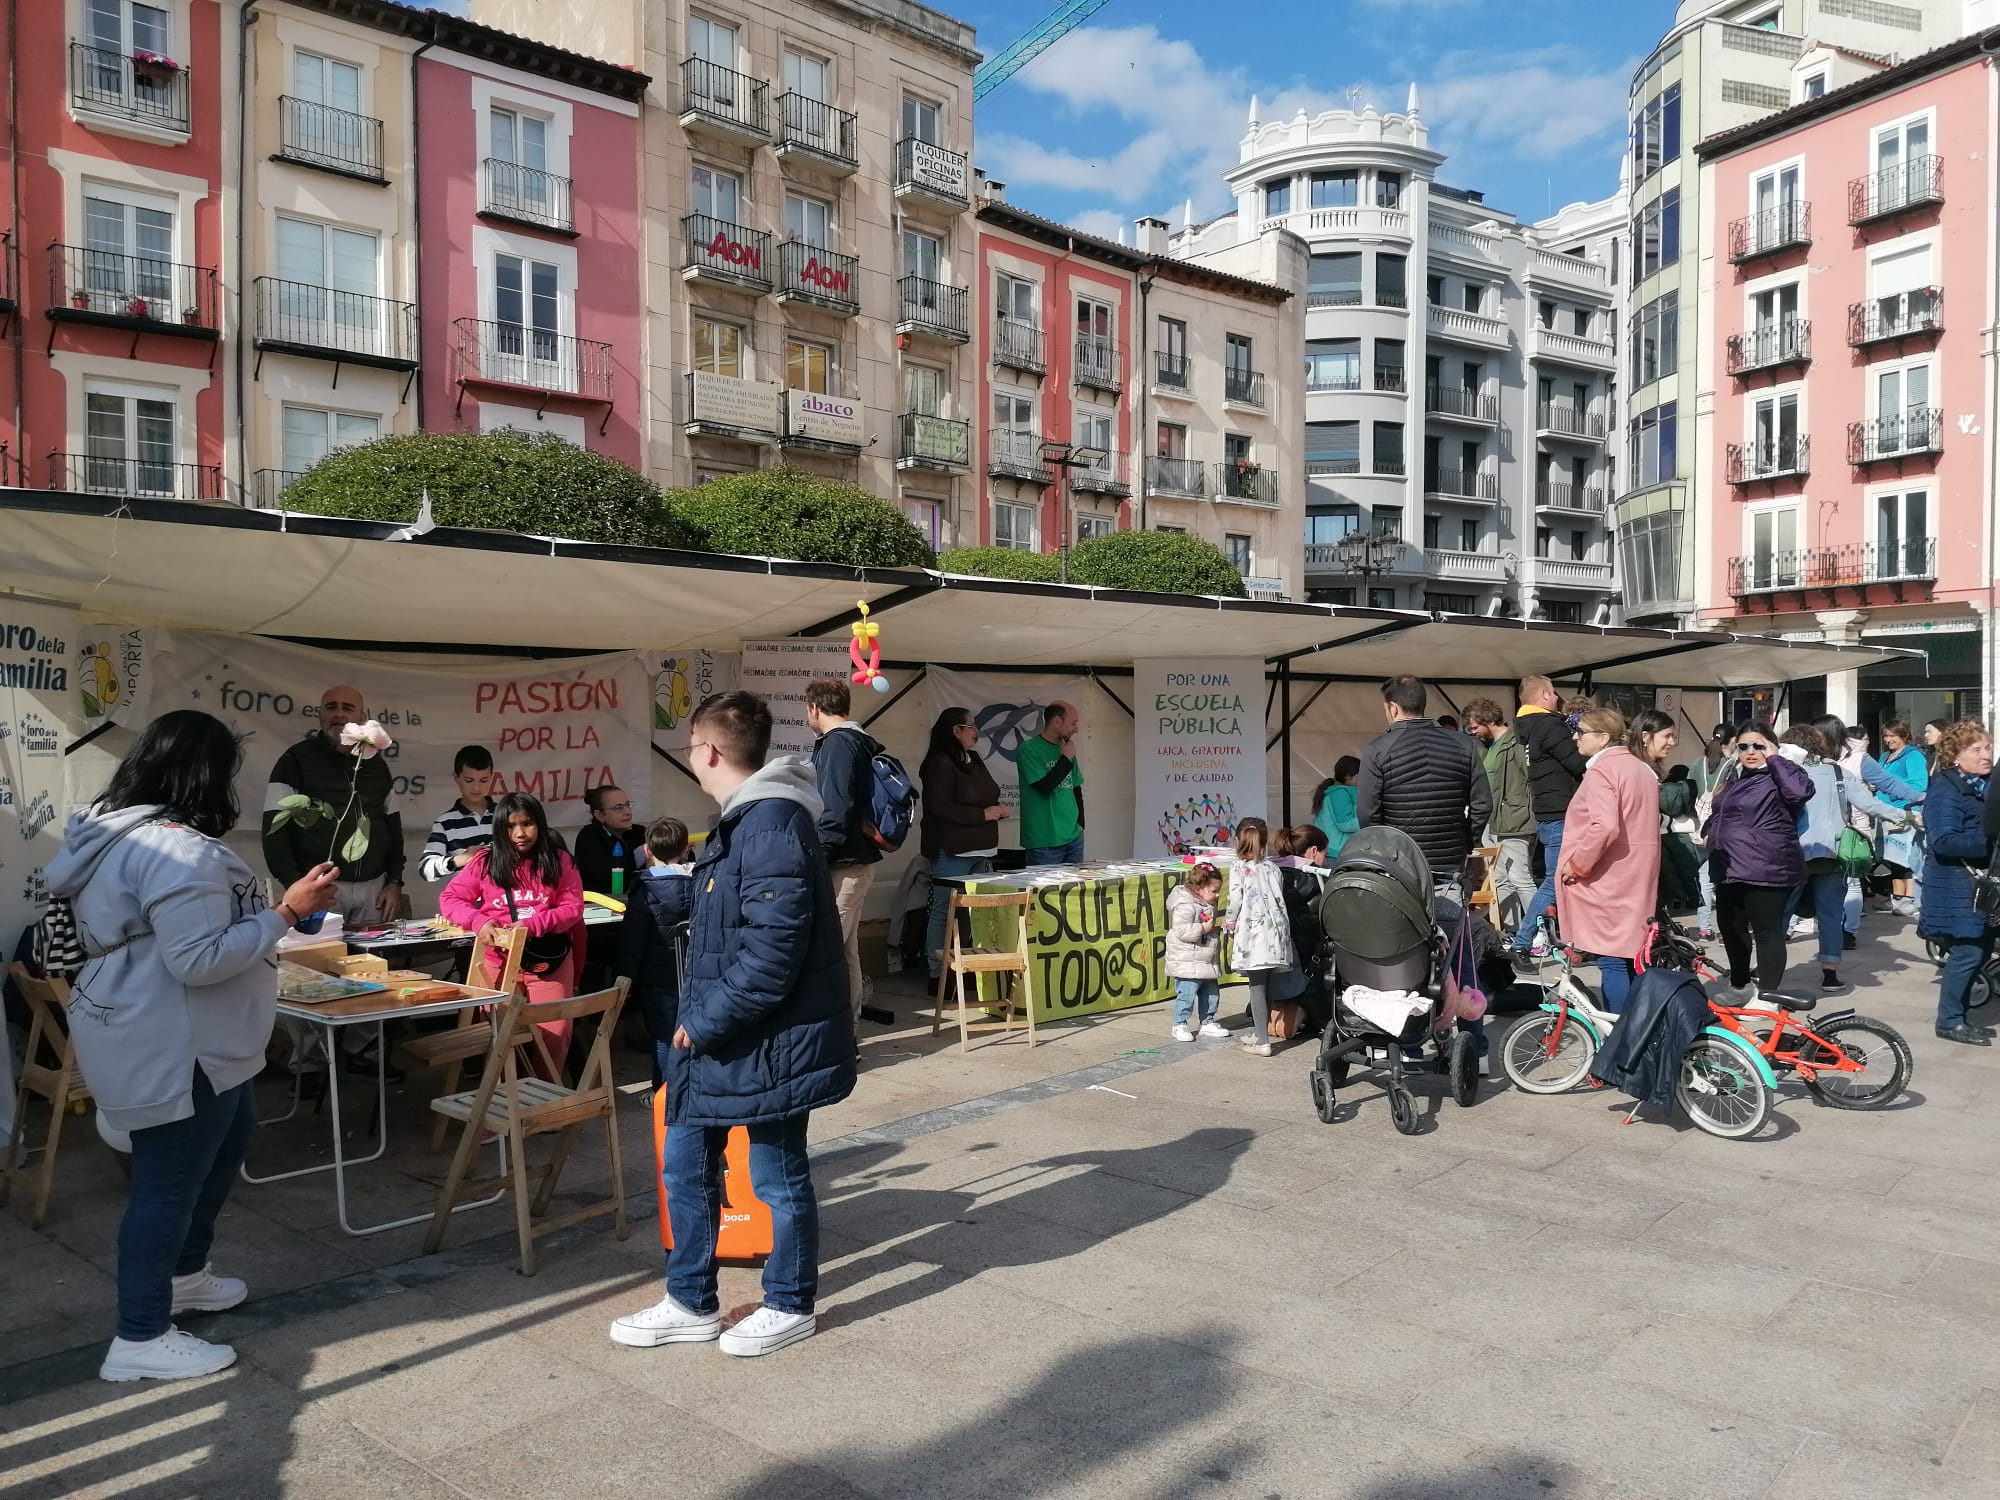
column 1378, row 917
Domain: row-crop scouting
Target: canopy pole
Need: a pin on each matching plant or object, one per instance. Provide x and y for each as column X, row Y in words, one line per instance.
column 677, row 765
column 1304, row 708
column 1111, row 695
column 879, row 607
column 1442, row 693
column 896, row 697
column 1285, row 737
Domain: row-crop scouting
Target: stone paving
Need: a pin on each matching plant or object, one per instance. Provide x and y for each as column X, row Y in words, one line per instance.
column 1112, row 1266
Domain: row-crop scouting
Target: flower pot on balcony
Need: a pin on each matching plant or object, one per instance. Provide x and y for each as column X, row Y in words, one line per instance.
column 138, row 307
column 80, row 301
column 157, row 69
column 191, row 316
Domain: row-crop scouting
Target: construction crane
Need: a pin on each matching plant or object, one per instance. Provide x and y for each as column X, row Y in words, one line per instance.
column 1056, row 25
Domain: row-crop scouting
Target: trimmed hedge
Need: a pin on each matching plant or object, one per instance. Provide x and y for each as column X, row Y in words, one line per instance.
column 505, row 481
column 791, row 514
column 1156, row 562
column 1002, row 562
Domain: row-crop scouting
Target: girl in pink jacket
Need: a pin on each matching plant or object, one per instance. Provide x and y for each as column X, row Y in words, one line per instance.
column 525, row 877
column 1608, row 879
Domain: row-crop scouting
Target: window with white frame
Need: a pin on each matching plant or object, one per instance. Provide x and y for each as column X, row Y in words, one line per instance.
column 526, row 345
column 928, row 517
column 116, row 30
column 1771, row 559
column 1016, row 526
column 327, row 81
column 327, row 122
column 1016, row 437
column 1333, row 364
column 1813, row 86
column 1016, row 298
column 127, row 26
column 1903, row 544
column 128, row 250
column 718, row 347
column 1774, row 205
column 1905, row 412
column 923, row 390
column 1094, row 526
column 1236, row 547
column 923, row 256
column 718, row 194
column 1902, row 291
column 1774, row 322
column 1774, row 436
column 1097, row 429
column 808, row 77
column 131, row 441
column 518, row 179
column 1903, row 163
column 1096, row 342
column 920, row 121
column 809, row 221
column 809, row 366
column 329, row 291
column 309, row 433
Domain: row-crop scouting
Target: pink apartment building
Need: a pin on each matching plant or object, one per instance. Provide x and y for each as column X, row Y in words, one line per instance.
column 111, row 304
column 531, row 313
column 1845, row 469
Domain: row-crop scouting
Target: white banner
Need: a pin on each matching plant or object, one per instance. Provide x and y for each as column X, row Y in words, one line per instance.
column 38, row 716
column 1198, row 742
column 556, row 728
column 1007, row 710
column 778, row 671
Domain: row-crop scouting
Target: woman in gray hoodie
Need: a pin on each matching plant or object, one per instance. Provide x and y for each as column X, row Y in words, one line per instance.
column 170, row 1015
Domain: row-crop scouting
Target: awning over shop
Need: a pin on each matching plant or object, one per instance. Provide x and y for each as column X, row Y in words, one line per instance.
column 167, row 563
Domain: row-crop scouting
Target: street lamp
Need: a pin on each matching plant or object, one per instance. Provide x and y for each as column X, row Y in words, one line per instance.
column 1368, row 554
column 1064, row 457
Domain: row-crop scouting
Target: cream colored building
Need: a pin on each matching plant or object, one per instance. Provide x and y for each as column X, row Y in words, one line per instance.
column 809, row 242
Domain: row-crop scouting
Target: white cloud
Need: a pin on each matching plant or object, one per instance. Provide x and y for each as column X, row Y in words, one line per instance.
column 1105, row 223
column 1540, row 105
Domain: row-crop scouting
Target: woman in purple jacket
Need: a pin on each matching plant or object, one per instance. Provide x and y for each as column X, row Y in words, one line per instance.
column 1755, row 859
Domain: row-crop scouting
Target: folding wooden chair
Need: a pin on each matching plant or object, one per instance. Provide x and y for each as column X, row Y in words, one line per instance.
column 48, row 1071
column 1484, row 863
column 472, row 1037
column 960, row 960
column 509, row 1104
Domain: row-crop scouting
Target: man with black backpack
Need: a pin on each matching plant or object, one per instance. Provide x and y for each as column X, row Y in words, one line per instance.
column 844, row 761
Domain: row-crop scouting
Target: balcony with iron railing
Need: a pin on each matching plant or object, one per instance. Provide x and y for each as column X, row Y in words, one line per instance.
column 1767, row 459
column 1241, row 482
column 131, row 88
column 1461, row 403
column 723, row 102
column 296, row 317
column 1320, row 381
column 1908, row 314
column 1170, row 371
column 1578, row 499
column 1770, row 345
column 268, row 486
column 1856, row 565
column 540, row 359
column 135, row 292
column 1099, row 362
column 727, row 253
column 1333, row 296
column 1394, row 379
column 1907, row 434
column 1016, row 453
column 525, row 195
column 1917, row 183
column 1769, row 231
column 1174, row 476
column 1110, row 474
column 1461, row 485
column 820, row 277
column 1332, row 466
column 1017, row 345
column 814, row 131
column 932, row 309
column 926, row 170
column 103, row 474
column 330, row 140
column 1243, row 387
column 930, row 442
column 1565, row 419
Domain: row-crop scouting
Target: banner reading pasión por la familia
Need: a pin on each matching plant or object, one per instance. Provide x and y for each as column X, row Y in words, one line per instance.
column 1198, row 740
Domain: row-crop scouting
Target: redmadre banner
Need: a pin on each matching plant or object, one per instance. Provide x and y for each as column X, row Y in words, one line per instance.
column 556, row 728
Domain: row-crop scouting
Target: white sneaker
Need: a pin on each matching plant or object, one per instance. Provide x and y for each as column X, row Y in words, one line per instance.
column 1259, row 1049
column 172, row 1356
column 1181, row 1033
column 1215, row 1031
column 204, row 1291
column 766, row 1331
column 665, row 1322
column 1485, row 1067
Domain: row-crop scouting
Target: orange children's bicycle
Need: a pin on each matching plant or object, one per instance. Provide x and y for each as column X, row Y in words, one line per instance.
column 1847, row 1060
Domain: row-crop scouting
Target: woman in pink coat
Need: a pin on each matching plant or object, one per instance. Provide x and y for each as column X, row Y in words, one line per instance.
column 526, row 878
column 1609, row 875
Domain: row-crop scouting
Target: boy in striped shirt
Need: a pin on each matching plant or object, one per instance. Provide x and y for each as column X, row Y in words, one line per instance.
column 468, row 827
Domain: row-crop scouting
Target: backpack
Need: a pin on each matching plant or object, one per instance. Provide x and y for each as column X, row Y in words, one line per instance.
column 892, row 800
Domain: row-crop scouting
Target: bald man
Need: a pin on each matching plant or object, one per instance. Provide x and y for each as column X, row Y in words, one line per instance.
column 370, row 891
column 1052, row 789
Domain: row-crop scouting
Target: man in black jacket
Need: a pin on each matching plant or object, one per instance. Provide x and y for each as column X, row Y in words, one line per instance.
column 607, row 849
column 358, row 790
column 844, row 761
column 1424, row 779
column 1555, row 769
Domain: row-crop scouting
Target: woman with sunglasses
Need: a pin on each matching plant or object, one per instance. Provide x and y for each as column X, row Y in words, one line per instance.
column 1755, row 859
column 1959, row 825
column 962, row 813
column 1608, row 875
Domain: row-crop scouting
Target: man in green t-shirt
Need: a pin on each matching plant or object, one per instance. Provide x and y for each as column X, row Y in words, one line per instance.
column 1052, row 789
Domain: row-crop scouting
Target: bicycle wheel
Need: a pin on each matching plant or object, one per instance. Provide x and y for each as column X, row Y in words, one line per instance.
column 1880, row 1050
column 1539, row 1061
column 1721, row 1089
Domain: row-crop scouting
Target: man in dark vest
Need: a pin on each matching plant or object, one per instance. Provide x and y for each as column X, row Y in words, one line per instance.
column 1424, row 779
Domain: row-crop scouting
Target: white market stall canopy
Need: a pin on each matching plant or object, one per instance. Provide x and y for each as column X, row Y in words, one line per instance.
column 167, row 563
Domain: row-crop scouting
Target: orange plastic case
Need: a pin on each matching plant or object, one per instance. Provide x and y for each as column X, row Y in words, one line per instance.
column 746, row 1222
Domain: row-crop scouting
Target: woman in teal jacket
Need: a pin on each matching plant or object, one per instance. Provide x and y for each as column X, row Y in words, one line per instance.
column 1336, row 812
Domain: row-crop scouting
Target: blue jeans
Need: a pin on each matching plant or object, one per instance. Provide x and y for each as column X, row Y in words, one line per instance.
column 1062, row 854
column 1188, row 991
column 1551, row 835
column 1963, row 961
column 1850, row 908
column 947, row 867
column 181, row 1174
column 1826, row 894
column 1615, row 978
column 691, row 1176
